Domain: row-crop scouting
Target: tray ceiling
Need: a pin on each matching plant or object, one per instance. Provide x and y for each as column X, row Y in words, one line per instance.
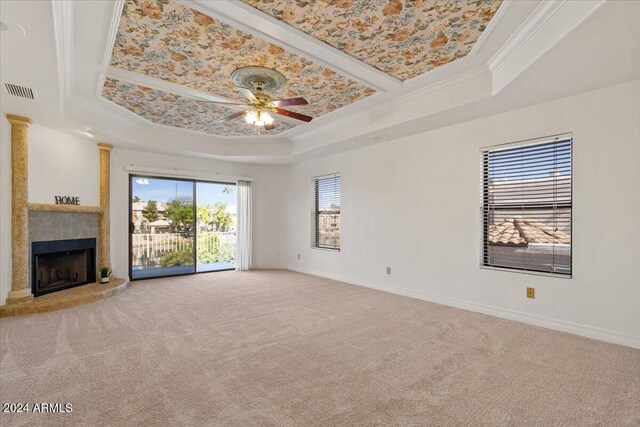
column 401, row 38
column 507, row 69
column 166, row 40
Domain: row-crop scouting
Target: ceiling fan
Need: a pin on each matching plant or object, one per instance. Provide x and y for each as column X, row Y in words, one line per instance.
column 253, row 82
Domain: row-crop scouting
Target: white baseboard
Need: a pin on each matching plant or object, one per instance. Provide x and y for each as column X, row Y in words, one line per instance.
column 269, row 267
column 587, row 331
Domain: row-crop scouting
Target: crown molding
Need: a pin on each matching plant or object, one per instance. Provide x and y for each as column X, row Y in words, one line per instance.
column 118, row 5
column 63, row 25
column 119, row 114
column 471, row 86
column 540, row 15
column 415, row 97
column 549, row 23
column 492, row 24
column 148, row 136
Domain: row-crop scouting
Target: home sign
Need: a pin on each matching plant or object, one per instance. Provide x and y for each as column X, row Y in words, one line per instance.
column 67, row 200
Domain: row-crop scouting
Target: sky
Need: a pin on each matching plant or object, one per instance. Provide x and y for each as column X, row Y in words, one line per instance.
column 531, row 162
column 329, row 193
column 164, row 190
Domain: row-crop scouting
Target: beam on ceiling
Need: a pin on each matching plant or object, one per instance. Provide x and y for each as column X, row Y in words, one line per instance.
column 154, row 83
column 263, row 26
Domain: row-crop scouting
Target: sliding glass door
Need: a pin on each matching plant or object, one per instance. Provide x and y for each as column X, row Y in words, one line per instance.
column 216, row 231
column 180, row 226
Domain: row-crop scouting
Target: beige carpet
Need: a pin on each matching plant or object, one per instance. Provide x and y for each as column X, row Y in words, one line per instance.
column 285, row 349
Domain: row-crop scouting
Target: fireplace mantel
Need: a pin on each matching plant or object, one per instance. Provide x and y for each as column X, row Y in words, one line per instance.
column 20, row 292
column 45, row 207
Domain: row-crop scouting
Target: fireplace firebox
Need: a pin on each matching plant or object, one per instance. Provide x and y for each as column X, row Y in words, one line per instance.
column 62, row 264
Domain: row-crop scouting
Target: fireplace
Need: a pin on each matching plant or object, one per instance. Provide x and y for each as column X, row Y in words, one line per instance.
column 62, row 264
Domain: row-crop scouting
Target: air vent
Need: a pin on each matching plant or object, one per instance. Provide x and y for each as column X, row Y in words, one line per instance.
column 21, row 91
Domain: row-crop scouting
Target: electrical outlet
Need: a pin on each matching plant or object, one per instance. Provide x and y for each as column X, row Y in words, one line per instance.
column 531, row 293
column 388, row 270
column 298, row 256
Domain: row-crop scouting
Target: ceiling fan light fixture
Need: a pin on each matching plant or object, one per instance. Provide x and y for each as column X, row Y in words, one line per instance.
column 251, row 117
column 266, row 118
column 252, row 82
column 258, row 118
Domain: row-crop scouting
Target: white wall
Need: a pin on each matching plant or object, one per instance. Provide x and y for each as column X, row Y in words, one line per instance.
column 61, row 164
column 413, row 204
column 269, row 199
column 65, row 164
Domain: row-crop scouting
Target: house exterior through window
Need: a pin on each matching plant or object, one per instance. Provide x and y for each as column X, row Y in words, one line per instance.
column 527, row 206
column 326, row 212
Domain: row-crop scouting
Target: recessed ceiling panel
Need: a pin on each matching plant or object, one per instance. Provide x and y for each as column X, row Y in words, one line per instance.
column 401, row 38
column 169, row 109
column 167, row 40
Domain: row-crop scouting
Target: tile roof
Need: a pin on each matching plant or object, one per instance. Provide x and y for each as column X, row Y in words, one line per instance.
column 521, row 232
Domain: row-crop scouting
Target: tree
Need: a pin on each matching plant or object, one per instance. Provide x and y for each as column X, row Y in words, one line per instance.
column 136, row 199
column 150, row 211
column 204, row 216
column 180, row 213
column 221, row 218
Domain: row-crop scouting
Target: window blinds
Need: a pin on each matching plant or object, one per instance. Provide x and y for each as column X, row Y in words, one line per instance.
column 526, row 206
column 326, row 212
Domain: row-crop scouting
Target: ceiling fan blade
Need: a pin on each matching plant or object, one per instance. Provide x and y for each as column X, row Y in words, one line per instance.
column 289, row 101
column 219, row 102
column 233, row 116
column 293, row 115
column 269, row 127
column 247, row 92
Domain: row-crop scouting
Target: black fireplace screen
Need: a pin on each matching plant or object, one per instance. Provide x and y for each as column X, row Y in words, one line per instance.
column 62, row 264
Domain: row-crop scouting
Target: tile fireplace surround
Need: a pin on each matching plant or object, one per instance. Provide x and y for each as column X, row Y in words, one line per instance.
column 33, row 222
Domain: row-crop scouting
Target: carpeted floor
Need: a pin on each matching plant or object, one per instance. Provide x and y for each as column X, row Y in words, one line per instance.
column 286, row 349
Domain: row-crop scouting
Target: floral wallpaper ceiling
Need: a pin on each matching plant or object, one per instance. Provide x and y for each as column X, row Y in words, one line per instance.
column 168, row 109
column 403, row 38
column 167, row 40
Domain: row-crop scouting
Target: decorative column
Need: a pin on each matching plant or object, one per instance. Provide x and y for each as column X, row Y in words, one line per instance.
column 104, row 227
column 20, row 286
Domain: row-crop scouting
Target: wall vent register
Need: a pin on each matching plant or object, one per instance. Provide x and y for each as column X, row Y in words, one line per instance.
column 526, row 206
column 20, row 91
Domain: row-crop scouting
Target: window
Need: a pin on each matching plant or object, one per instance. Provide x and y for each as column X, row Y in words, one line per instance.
column 326, row 212
column 526, row 206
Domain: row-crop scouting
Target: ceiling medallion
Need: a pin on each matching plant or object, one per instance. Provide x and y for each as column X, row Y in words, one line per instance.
column 267, row 78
